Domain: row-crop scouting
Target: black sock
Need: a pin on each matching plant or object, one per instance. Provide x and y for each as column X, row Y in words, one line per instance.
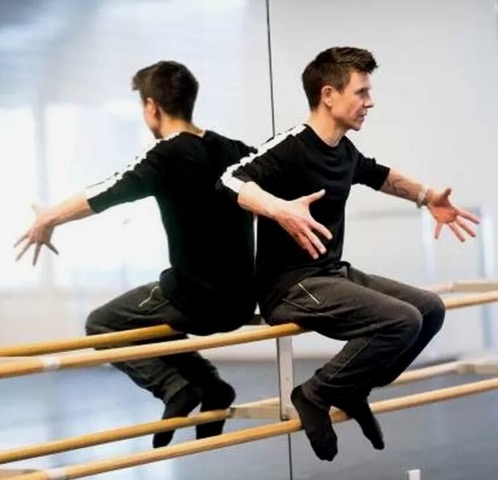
column 359, row 410
column 317, row 426
column 218, row 395
column 180, row 405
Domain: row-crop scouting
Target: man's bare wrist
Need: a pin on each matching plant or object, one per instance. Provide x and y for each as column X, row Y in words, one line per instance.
column 50, row 218
column 273, row 208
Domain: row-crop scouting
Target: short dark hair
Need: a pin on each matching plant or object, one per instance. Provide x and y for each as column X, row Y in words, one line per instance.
column 170, row 84
column 333, row 67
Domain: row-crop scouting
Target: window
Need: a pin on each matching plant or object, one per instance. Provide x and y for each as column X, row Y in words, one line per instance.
column 18, row 187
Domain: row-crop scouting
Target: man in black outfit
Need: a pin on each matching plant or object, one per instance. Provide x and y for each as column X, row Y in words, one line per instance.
column 209, row 286
column 300, row 180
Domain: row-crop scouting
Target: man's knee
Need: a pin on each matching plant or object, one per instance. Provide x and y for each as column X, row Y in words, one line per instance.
column 408, row 323
column 436, row 311
column 96, row 322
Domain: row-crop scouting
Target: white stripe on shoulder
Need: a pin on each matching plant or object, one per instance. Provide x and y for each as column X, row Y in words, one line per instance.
column 98, row 188
column 229, row 181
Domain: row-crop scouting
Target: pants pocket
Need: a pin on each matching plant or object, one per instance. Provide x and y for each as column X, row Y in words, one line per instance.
column 305, row 295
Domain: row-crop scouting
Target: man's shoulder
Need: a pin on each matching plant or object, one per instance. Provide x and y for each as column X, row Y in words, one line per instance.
column 221, row 144
column 289, row 135
column 175, row 141
column 345, row 140
column 349, row 147
column 179, row 145
column 211, row 150
column 283, row 140
column 213, row 136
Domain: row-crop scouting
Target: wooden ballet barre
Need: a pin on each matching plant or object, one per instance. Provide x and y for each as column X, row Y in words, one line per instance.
column 14, row 473
column 125, row 433
column 440, row 288
column 108, row 436
column 147, row 333
column 480, row 366
column 471, row 300
column 262, row 409
column 465, row 286
column 410, row 376
column 97, row 341
column 425, row 373
column 251, row 434
column 119, row 338
column 269, row 408
column 41, row 364
column 85, row 359
column 92, row 341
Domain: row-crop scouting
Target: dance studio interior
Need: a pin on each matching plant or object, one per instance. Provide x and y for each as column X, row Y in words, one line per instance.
column 69, row 118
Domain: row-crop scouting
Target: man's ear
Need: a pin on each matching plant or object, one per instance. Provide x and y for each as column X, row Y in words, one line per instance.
column 151, row 106
column 327, row 95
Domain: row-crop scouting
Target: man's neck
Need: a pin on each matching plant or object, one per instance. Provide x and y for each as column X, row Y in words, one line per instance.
column 170, row 126
column 325, row 127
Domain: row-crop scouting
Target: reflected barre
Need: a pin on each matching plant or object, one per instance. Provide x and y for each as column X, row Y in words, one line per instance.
column 94, row 341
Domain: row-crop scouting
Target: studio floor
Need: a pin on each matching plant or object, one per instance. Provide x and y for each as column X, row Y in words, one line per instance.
column 455, row 440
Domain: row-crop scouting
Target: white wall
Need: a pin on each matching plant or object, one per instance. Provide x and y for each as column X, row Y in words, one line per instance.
column 436, row 118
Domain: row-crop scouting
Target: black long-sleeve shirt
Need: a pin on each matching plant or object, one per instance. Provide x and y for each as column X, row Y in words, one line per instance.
column 290, row 165
column 211, row 246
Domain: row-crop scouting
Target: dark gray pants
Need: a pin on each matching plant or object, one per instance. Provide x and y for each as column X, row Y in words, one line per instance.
column 386, row 325
column 147, row 306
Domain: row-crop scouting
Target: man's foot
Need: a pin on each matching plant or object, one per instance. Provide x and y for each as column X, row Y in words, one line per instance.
column 359, row 410
column 180, row 405
column 317, row 426
column 218, row 396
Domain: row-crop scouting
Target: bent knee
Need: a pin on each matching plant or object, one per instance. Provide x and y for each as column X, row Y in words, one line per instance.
column 96, row 322
column 435, row 312
column 409, row 322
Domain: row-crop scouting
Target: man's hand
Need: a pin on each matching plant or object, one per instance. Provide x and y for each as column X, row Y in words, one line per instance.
column 446, row 214
column 294, row 216
column 39, row 234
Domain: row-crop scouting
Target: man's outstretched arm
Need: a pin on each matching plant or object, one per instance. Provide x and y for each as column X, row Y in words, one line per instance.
column 438, row 204
column 138, row 180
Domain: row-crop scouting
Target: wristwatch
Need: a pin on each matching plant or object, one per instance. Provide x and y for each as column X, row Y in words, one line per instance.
column 422, row 196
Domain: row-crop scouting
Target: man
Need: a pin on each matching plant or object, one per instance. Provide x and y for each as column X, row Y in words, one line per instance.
column 300, row 180
column 209, row 287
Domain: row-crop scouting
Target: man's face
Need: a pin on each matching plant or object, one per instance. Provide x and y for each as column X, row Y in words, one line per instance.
column 349, row 107
column 152, row 117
